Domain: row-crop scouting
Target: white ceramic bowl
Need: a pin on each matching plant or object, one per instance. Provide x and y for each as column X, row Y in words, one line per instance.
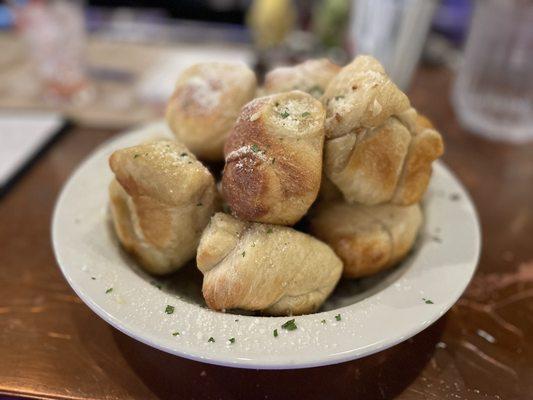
column 375, row 313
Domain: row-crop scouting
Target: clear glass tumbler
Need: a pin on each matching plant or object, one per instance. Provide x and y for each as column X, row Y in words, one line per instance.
column 393, row 31
column 493, row 92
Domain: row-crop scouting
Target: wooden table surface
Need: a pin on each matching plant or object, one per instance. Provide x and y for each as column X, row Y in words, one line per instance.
column 53, row 346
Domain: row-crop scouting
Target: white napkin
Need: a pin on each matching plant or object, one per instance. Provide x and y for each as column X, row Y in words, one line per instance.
column 22, row 135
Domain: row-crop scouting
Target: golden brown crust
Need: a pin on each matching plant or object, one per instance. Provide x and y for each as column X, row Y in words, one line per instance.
column 366, row 166
column 311, row 76
column 425, row 147
column 361, row 95
column 424, row 122
column 205, row 104
column 121, row 216
column 270, row 268
column 368, row 239
column 161, row 201
column 378, row 149
column 402, row 224
column 274, row 158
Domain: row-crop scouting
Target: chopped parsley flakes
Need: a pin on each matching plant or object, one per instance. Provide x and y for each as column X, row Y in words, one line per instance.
column 427, row 301
column 275, row 333
column 199, row 204
column 109, row 290
column 169, row 309
column 455, row 197
column 211, row 340
column 255, row 148
column 269, row 230
column 323, row 321
column 243, row 253
column 136, row 155
column 175, row 333
column 232, row 340
column 338, row 317
column 306, row 114
column 183, row 155
column 284, row 114
column 290, row 325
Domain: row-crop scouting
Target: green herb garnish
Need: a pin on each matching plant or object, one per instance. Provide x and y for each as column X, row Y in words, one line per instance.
column 275, row 333
column 290, row 325
column 136, row 155
column 169, row 309
column 93, row 278
column 236, row 320
column 199, row 204
column 232, row 340
column 306, row 114
column 243, row 253
column 338, row 317
column 455, row 197
column 323, row 321
column 427, row 301
column 284, row 114
column 211, row 340
column 255, row 148
column 176, row 333
column 269, row 230
column 109, row 290
column 156, row 284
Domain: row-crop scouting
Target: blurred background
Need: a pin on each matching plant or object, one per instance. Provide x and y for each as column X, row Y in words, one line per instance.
column 112, row 64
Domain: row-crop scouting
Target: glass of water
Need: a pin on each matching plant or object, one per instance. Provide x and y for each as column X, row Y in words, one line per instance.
column 393, row 31
column 493, row 92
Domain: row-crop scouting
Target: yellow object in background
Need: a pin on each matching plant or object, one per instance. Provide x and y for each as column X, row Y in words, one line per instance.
column 270, row 21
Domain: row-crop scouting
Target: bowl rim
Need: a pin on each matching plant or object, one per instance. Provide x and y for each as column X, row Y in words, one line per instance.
column 306, row 360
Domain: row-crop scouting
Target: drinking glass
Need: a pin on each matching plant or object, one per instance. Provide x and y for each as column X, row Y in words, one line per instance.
column 393, row 31
column 493, row 92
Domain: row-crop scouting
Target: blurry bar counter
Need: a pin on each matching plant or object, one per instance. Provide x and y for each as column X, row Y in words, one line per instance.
column 129, row 82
